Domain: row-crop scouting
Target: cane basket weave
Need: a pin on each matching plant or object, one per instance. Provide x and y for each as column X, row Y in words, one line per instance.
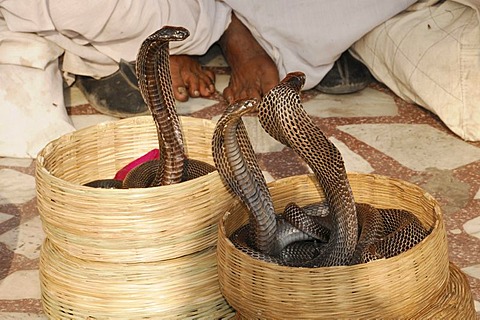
column 141, row 253
column 180, row 288
column 417, row 284
column 134, row 225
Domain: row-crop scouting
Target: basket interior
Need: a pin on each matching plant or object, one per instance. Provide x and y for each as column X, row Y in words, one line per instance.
column 133, row 225
column 396, row 286
column 98, row 152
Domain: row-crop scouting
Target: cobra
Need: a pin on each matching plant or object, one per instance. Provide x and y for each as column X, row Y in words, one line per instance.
column 155, row 85
column 234, row 157
column 357, row 232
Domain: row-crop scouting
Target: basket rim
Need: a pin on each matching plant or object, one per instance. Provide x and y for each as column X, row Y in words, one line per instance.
column 258, row 274
column 160, row 222
column 436, row 224
column 41, row 169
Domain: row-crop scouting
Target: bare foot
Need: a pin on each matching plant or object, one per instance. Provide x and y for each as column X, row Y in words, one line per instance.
column 253, row 72
column 189, row 79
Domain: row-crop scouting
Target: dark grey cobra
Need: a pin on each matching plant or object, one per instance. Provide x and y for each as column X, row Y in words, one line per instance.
column 267, row 235
column 155, row 84
column 356, row 232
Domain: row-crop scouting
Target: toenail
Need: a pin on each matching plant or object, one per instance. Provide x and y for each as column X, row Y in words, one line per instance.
column 196, row 93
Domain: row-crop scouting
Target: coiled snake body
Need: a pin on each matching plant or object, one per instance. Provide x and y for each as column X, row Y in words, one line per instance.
column 350, row 232
column 155, row 84
column 355, row 232
column 235, row 159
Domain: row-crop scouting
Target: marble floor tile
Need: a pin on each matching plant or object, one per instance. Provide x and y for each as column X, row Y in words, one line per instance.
column 456, row 192
column 455, row 231
column 416, row 146
column 472, row 227
column 21, row 316
column 261, row 141
column 353, row 161
column 193, row 105
column 473, row 271
column 73, row 96
column 21, row 191
column 15, row 162
column 25, row 239
column 83, row 121
column 268, row 176
column 23, row 284
column 366, row 103
column 5, row 217
column 221, row 82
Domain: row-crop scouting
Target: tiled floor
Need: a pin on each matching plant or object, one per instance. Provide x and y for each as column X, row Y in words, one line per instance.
column 376, row 132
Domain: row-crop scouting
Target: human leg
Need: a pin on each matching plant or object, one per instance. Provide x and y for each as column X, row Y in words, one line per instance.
column 189, row 79
column 31, row 92
column 253, row 72
column 119, row 34
column 33, row 104
column 312, row 34
column 120, row 30
column 32, row 108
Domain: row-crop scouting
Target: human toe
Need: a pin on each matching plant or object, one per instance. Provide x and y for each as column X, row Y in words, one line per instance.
column 180, row 93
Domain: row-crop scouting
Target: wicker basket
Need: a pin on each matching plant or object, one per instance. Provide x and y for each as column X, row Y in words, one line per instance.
column 128, row 254
column 419, row 283
column 134, row 225
column 181, row 288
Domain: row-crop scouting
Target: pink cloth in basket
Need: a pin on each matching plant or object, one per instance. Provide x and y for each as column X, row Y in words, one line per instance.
column 151, row 155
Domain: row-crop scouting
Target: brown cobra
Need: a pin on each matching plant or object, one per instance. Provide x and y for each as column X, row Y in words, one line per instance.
column 236, row 162
column 357, row 232
column 282, row 116
column 155, row 84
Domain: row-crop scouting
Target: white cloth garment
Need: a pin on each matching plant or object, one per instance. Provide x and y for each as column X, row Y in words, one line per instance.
column 441, row 70
column 94, row 36
column 30, row 118
column 97, row 34
column 309, row 35
column 305, row 35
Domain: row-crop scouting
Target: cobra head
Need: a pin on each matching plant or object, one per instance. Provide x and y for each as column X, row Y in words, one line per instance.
column 170, row 33
column 295, row 80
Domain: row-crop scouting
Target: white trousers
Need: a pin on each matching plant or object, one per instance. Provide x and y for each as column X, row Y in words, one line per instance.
column 310, row 35
column 305, row 35
column 92, row 36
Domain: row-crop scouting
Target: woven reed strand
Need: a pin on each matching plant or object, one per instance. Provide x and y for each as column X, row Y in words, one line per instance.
column 133, row 225
column 128, row 254
column 395, row 288
column 180, row 288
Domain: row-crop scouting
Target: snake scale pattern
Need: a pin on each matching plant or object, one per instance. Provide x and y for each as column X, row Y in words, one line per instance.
column 341, row 232
column 335, row 232
column 155, row 84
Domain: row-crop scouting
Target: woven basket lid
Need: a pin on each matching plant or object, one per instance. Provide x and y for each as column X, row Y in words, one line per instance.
column 455, row 303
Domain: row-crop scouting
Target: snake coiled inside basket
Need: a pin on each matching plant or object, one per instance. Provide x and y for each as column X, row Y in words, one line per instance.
column 155, row 84
column 357, row 232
